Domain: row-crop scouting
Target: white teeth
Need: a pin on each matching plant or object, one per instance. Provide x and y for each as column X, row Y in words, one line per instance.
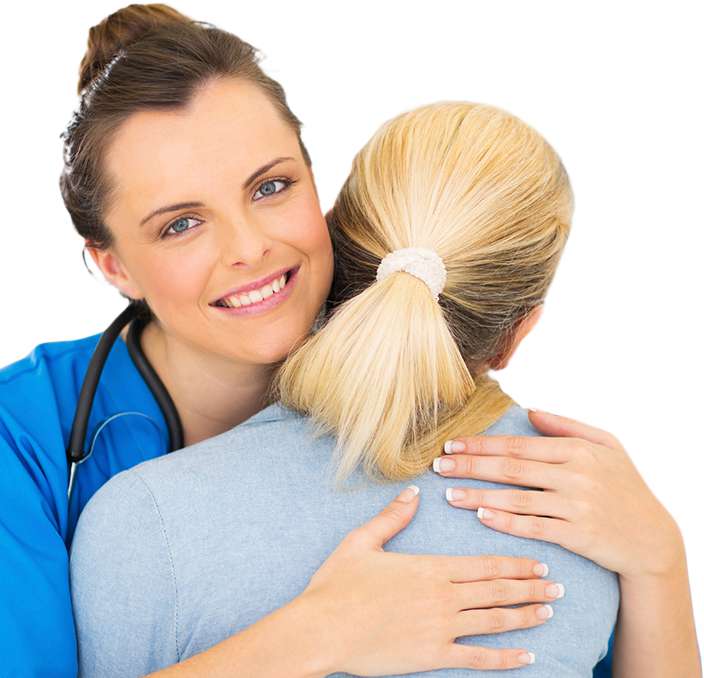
column 256, row 295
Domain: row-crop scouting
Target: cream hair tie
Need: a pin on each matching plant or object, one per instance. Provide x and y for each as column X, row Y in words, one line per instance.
column 422, row 263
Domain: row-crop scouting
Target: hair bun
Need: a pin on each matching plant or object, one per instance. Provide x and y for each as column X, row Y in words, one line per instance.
column 119, row 30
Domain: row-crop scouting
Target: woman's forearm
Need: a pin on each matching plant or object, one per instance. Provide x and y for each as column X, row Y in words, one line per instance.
column 286, row 642
column 655, row 635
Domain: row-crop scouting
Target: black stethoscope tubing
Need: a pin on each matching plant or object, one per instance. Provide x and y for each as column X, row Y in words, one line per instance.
column 155, row 384
column 75, row 452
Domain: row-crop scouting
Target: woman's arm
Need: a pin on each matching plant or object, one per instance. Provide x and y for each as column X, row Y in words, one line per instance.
column 655, row 634
column 597, row 505
column 286, row 642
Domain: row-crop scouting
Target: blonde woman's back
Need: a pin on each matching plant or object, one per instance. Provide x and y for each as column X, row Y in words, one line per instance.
column 176, row 554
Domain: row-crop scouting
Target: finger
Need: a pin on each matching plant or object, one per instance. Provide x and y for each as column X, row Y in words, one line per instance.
column 505, row 470
column 486, row 658
column 531, row 527
column 394, row 517
column 528, row 502
column 500, row 619
column 478, row 568
column 539, row 448
column 499, row 592
column 557, row 425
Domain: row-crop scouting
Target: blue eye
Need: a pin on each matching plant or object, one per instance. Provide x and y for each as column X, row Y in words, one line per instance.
column 268, row 187
column 178, row 226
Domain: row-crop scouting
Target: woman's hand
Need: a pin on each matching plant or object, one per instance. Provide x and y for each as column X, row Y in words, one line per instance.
column 594, row 503
column 382, row 613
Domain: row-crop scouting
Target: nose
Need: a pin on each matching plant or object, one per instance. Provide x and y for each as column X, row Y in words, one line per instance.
column 244, row 244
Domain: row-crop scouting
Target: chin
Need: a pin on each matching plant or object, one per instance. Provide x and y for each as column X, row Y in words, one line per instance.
column 273, row 353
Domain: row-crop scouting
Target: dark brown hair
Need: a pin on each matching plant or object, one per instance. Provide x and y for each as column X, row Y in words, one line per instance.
column 144, row 57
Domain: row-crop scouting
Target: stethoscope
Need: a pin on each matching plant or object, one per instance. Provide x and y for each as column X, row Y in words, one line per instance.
column 76, row 454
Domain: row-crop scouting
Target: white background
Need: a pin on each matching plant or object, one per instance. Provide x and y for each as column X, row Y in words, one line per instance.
column 614, row 87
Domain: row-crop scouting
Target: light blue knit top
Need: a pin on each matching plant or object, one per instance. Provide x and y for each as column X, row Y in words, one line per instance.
column 178, row 553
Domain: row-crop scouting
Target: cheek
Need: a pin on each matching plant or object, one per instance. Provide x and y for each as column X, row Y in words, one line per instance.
column 177, row 277
column 312, row 238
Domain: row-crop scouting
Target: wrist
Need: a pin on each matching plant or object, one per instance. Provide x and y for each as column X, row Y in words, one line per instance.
column 665, row 561
column 316, row 651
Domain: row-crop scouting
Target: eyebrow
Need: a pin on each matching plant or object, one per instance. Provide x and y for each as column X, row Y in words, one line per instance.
column 189, row 205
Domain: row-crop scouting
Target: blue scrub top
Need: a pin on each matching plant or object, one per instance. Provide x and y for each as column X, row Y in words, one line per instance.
column 38, row 397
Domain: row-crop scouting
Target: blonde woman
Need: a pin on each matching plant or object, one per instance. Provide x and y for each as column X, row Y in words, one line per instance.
column 447, row 235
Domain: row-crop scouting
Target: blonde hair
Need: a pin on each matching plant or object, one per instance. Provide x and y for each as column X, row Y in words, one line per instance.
column 393, row 373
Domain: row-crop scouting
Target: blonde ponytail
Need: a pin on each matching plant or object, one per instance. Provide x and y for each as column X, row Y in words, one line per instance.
column 394, row 373
column 384, row 370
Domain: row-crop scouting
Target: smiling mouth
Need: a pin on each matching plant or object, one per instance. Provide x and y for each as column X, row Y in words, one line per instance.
column 241, row 299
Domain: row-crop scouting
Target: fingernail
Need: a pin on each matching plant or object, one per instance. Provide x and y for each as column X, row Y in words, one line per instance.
column 544, row 612
column 454, row 446
column 533, row 409
column 453, row 494
column 526, row 658
column 408, row 494
column 555, row 590
column 541, row 570
column 442, row 464
column 484, row 514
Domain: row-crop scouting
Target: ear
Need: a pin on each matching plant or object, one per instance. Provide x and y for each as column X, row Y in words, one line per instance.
column 520, row 330
column 114, row 271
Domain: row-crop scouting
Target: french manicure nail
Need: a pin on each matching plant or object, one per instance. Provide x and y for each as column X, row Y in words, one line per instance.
column 454, row 446
column 555, row 590
column 541, row 570
column 442, row 464
column 526, row 658
column 408, row 494
column 544, row 612
column 453, row 494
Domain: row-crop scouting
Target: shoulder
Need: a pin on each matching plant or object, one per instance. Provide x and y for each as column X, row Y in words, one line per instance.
column 119, row 515
column 120, row 558
column 514, row 421
column 201, row 469
column 36, row 395
column 35, row 388
column 125, row 496
column 45, row 359
column 39, row 393
column 38, row 399
column 269, row 424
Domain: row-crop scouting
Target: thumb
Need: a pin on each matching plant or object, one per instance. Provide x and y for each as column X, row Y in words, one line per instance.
column 391, row 520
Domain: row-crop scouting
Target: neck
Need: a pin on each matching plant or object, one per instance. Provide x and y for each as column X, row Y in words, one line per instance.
column 212, row 394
